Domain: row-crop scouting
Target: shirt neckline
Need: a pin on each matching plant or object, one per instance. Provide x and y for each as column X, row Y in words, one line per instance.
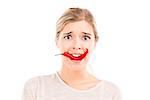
column 77, row 90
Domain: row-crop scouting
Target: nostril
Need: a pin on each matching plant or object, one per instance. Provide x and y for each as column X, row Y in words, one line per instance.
column 75, row 48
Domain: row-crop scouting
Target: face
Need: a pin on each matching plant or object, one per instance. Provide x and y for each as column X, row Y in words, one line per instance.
column 75, row 38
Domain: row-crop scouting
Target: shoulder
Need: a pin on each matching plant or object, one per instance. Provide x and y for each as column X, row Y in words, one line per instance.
column 39, row 80
column 112, row 89
column 110, row 86
column 36, row 86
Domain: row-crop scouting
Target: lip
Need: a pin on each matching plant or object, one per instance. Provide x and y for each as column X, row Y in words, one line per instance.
column 82, row 56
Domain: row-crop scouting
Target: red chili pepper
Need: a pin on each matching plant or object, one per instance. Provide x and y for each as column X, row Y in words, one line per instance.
column 75, row 58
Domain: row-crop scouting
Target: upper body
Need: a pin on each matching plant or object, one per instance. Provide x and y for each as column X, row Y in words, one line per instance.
column 52, row 87
column 76, row 39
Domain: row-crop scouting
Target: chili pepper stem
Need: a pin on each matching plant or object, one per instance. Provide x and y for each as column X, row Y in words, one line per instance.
column 59, row 54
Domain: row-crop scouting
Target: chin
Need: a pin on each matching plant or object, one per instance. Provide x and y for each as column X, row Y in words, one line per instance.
column 77, row 68
column 77, row 65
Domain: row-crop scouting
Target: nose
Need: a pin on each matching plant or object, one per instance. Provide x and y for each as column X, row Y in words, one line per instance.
column 76, row 45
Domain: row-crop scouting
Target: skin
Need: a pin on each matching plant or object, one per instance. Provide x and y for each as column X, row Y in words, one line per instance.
column 75, row 38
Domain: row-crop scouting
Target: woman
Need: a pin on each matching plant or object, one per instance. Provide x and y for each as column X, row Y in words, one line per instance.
column 76, row 38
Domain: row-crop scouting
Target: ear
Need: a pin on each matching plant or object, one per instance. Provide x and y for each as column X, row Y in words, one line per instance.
column 57, row 44
column 95, row 44
column 96, row 41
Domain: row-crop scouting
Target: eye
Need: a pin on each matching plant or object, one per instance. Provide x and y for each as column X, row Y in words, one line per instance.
column 67, row 37
column 85, row 37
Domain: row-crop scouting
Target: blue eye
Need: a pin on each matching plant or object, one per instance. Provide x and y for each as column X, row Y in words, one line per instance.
column 86, row 38
column 68, row 37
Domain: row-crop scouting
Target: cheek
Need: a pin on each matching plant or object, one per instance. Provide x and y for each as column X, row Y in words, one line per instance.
column 91, row 46
column 64, row 45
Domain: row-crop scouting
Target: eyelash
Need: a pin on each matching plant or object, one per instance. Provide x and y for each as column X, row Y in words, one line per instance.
column 67, row 37
column 84, row 37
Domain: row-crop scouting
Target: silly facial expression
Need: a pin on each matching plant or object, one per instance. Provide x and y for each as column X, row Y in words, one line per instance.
column 76, row 38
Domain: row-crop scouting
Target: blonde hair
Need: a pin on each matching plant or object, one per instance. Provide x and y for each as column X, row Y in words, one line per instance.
column 73, row 15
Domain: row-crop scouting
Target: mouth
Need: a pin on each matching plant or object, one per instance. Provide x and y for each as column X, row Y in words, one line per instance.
column 76, row 56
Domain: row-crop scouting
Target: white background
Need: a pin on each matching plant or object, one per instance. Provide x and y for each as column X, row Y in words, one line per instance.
column 27, row 47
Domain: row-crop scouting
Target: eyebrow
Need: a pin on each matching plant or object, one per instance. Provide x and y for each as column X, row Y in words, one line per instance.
column 86, row 33
column 67, row 33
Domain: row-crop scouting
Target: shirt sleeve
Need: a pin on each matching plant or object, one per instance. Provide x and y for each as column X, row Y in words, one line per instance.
column 30, row 89
column 113, row 90
column 117, row 94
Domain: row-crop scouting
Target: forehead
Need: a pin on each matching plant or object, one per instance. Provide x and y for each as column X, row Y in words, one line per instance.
column 78, row 27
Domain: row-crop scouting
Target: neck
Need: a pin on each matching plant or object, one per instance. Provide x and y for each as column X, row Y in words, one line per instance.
column 75, row 77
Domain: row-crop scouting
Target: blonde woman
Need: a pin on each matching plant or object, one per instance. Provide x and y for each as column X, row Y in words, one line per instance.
column 76, row 38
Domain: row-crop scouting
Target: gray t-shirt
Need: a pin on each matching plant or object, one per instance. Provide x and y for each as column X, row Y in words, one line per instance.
column 52, row 87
